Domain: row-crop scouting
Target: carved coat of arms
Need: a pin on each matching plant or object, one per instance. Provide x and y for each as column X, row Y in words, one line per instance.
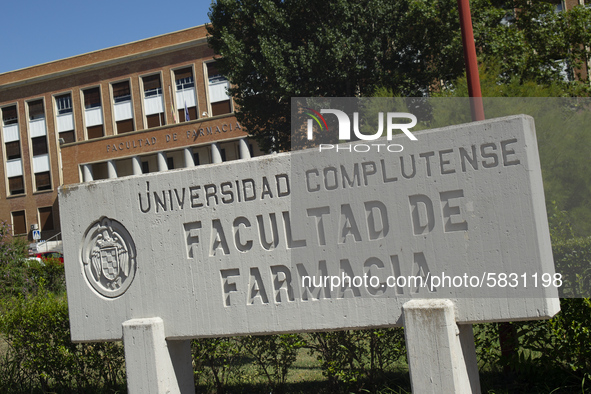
column 108, row 257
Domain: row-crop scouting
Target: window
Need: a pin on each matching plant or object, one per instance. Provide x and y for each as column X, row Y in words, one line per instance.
column 64, row 104
column 153, row 101
column 170, row 163
column 93, row 113
column 121, row 92
column 68, row 136
column 125, row 126
column 152, row 86
column 184, row 78
column 43, row 181
column 39, row 145
column 36, row 110
column 92, row 98
column 185, row 94
column 220, row 108
column 19, row 223
column 46, row 219
column 38, row 135
column 155, row 120
column 9, row 115
column 94, row 132
column 16, row 185
column 13, row 150
column 12, row 147
column 218, row 94
column 145, row 167
column 65, row 118
column 123, row 110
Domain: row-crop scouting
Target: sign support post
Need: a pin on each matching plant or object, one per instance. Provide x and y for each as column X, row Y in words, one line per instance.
column 441, row 353
column 154, row 364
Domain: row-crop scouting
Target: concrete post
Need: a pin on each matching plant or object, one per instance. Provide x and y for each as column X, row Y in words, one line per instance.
column 87, row 173
column 189, row 158
column 243, row 148
column 111, row 169
column 162, row 165
column 441, row 358
column 216, row 155
column 155, row 365
column 136, row 164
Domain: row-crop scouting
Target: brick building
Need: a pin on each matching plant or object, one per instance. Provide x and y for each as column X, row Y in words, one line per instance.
column 151, row 105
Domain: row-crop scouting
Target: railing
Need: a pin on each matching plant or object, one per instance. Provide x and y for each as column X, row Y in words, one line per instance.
column 44, row 242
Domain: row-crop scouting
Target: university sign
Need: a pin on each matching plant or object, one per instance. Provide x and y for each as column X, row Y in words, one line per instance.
column 304, row 241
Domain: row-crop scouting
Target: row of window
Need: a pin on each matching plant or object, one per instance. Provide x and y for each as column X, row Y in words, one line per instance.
column 44, row 216
column 183, row 107
column 39, row 147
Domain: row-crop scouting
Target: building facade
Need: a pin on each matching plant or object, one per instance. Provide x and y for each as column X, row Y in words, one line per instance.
column 151, row 105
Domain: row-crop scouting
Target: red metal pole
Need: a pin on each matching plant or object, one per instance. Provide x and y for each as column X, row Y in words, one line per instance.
column 471, row 61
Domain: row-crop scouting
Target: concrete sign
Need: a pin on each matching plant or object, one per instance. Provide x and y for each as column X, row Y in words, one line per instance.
column 315, row 240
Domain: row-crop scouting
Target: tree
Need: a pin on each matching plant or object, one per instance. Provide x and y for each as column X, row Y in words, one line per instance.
column 272, row 50
column 532, row 41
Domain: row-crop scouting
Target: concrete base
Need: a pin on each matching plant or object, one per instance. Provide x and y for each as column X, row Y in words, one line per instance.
column 155, row 365
column 441, row 353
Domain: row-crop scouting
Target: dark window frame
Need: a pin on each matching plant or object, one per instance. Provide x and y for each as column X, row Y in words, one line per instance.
column 19, row 228
column 92, row 97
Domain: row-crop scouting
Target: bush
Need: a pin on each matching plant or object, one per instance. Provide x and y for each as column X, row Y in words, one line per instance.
column 41, row 355
column 216, row 361
column 355, row 360
column 273, row 355
column 25, row 277
column 561, row 344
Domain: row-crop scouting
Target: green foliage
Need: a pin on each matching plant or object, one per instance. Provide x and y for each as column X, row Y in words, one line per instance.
column 27, row 276
column 562, row 130
column 530, row 40
column 273, row 355
column 559, row 344
column 355, row 360
column 39, row 351
column 217, row 361
column 10, row 248
column 559, row 223
column 48, row 273
column 572, row 258
column 22, row 276
column 273, row 50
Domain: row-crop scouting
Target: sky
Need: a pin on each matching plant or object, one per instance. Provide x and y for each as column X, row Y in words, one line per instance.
column 39, row 31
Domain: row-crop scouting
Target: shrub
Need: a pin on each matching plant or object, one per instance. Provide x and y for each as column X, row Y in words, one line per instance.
column 216, row 361
column 273, row 355
column 558, row 344
column 40, row 353
column 353, row 359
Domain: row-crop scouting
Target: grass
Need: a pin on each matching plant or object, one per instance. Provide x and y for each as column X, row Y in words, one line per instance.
column 306, row 377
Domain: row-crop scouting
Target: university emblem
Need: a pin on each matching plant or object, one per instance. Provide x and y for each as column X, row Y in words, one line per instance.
column 108, row 257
